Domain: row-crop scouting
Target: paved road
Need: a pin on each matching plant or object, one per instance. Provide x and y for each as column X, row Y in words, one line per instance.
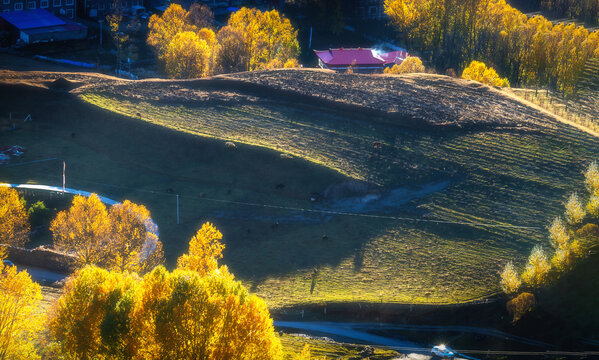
column 105, row 200
column 360, row 331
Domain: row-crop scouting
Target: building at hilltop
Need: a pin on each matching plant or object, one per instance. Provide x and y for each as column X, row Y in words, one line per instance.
column 359, row 60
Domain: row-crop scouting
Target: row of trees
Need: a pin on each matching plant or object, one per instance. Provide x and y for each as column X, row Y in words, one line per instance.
column 110, row 310
column 528, row 50
column 197, row 311
column 567, row 239
column 252, row 40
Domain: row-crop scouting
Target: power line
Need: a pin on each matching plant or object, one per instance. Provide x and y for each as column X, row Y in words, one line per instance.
column 317, row 211
column 29, row 162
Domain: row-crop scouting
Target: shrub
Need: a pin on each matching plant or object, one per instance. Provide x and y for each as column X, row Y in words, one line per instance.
column 478, row 71
column 411, row 64
column 39, row 214
column 520, row 305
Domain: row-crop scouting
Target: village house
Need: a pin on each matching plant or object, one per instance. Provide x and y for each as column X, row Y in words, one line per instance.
column 66, row 8
column 359, row 60
column 39, row 26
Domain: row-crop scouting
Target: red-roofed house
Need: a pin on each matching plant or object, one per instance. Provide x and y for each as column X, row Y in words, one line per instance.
column 360, row 60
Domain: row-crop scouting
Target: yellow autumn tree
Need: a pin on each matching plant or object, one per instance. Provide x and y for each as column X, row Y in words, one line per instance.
column 163, row 29
column 185, row 315
column 14, row 221
column 268, row 37
column 91, row 319
column 232, row 54
column 412, row 64
column 20, row 319
column 205, row 249
column 510, row 280
column 575, row 212
column 122, row 238
column 133, row 240
column 187, row 56
column 537, row 269
column 478, row 71
column 83, row 229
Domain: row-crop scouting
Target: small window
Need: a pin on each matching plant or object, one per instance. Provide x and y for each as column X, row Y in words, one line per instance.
column 69, row 2
column 31, row 5
column 70, row 13
column 56, row 3
column 18, row 6
column 44, row 4
column 6, row 2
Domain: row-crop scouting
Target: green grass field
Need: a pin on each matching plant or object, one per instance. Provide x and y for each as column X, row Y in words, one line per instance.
column 491, row 177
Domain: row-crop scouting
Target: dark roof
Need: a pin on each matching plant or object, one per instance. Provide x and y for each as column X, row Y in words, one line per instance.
column 32, row 19
column 359, row 57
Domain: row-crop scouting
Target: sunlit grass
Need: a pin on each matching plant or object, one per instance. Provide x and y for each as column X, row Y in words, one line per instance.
column 500, row 178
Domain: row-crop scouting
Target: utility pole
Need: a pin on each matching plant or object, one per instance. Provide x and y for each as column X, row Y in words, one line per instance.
column 101, row 22
column 310, row 41
column 177, row 209
column 64, row 168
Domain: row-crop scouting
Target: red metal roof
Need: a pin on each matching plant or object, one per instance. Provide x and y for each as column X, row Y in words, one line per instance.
column 359, row 57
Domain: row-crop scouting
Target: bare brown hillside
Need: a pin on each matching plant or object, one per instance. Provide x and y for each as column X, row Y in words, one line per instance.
column 416, row 100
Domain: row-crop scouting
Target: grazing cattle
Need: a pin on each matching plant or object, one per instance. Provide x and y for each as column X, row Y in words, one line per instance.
column 377, row 145
column 138, row 115
column 230, row 145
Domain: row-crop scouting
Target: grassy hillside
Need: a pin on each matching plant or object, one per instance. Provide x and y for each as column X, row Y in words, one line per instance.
column 514, row 171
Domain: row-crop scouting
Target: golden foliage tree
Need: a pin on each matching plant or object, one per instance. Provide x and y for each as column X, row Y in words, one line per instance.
column 200, row 15
column 592, row 179
column 187, row 56
column 19, row 317
column 478, row 71
column 83, row 229
column 269, row 38
column 14, row 221
column 122, row 238
column 91, row 319
column 575, row 212
column 133, row 243
column 411, row 64
column 520, row 305
column 232, row 54
column 205, row 249
column 510, row 280
column 163, row 29
column 191, row 313
column 185, row 315
column 530, row 50
column 537, row 269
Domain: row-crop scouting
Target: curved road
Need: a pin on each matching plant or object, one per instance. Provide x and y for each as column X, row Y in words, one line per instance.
column 360, row 332
column 105, row 200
